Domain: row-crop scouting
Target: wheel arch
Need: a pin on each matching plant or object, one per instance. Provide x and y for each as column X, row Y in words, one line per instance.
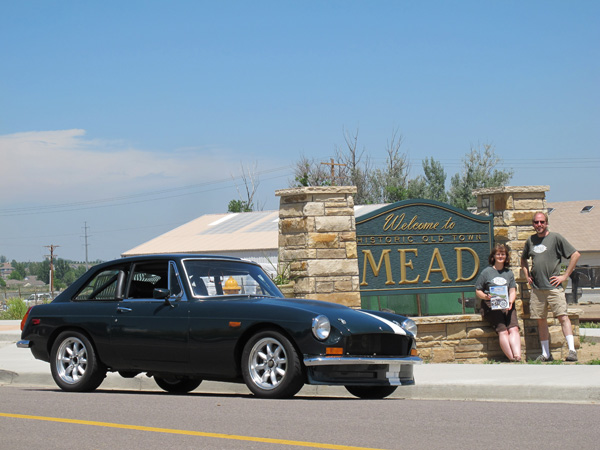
column 258, row 328
column 57, row 332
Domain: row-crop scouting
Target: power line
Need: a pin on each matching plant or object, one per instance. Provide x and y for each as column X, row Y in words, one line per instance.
column 129, row 199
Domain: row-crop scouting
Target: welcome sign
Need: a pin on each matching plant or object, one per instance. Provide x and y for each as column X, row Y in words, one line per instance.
column 421, row 246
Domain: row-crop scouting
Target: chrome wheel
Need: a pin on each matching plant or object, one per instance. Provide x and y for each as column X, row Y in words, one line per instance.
column 71, row 360
column 75, row 366
column 271, row 367
column 267, row 363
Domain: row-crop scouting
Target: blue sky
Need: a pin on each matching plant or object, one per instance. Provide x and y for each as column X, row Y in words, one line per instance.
column 135, row 117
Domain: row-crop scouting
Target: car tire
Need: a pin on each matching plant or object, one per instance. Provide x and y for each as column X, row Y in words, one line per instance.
column 175, row 385
column 74, row 364
column 271, row 366
column 371, row 392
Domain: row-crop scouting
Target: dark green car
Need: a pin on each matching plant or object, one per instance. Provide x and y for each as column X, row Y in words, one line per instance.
column 187, row 318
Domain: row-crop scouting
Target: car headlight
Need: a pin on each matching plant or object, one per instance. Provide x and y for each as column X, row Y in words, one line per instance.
column 321, row 327
column 410, row 326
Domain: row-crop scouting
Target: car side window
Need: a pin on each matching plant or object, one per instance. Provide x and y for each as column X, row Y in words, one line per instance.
column 222, row 278
column 146, row 277
column 103, row 286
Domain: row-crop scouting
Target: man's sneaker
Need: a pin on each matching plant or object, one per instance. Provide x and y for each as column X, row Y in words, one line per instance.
column 543, row 358
column 572, row 356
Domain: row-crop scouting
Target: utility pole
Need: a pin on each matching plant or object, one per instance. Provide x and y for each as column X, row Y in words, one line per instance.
column 85, row 228
column 333, row 164
column 52, row 247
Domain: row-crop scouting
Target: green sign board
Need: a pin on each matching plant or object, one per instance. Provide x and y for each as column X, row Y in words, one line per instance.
column 421, row 246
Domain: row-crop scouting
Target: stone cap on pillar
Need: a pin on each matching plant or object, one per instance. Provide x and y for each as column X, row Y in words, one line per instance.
column 510, row 189
column 304, row 190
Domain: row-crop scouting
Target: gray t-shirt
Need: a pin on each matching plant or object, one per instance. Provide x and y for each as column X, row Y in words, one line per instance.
column 546, row 254
column 490, row 276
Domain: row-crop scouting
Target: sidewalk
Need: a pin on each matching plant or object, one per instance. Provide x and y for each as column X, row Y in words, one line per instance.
column 568, row 383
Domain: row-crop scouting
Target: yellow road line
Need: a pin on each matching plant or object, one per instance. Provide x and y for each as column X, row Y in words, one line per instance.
column 186, row 432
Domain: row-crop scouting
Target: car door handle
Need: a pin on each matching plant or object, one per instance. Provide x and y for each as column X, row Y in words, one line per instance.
column 123, row 310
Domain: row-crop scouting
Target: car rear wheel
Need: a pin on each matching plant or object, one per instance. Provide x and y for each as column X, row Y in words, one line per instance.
column 74, row 364
column 371, row 392
column 271, row 367
column 176, row 385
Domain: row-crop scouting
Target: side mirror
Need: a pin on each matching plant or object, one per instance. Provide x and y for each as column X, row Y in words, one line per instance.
column 161, row 293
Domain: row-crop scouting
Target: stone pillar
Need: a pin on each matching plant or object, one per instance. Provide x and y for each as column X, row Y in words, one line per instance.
column 317, row 242
column 513, row 208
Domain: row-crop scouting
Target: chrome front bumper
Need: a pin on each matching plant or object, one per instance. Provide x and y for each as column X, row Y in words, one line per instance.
column 361, row 370
column 356, row 360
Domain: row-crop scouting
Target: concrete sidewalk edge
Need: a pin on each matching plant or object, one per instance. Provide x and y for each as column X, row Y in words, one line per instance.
column 457, row 391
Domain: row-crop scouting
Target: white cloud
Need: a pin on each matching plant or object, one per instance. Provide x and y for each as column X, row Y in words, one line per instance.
column 64, row 165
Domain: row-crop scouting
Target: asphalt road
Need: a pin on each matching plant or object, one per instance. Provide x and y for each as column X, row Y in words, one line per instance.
column 51, row 419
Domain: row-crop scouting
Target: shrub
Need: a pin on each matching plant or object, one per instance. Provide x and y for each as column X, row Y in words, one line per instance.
column 16, row 309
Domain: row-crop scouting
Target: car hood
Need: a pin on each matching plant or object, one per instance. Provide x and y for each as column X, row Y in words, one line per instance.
column 355, row 321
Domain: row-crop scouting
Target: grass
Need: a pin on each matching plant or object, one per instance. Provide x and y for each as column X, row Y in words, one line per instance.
column 589, row 325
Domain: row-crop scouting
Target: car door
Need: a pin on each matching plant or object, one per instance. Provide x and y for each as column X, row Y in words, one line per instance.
column 147, row 333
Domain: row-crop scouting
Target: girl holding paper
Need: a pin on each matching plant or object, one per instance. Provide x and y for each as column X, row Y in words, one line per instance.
column 497, row 289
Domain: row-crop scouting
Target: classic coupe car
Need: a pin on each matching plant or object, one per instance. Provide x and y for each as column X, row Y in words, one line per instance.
column 187, row 318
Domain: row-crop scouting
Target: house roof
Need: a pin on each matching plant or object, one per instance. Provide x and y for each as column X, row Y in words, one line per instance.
column 213, row 233
column 227, row 232
column 581, row 228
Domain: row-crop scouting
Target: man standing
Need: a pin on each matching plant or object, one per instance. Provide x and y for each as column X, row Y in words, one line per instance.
column 546, row 251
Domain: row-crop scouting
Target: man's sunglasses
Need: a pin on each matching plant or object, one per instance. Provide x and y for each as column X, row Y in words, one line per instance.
column 539, row 221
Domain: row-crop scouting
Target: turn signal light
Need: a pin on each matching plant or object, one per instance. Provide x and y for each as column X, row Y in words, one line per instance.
column 25, row 318
column 334, row 351
column 235, row 324
column 414, row 352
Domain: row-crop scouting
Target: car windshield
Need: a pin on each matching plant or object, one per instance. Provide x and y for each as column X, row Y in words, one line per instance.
column 228, row 278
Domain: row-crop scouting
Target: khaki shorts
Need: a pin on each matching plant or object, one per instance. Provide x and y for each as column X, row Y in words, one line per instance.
column 541, row 299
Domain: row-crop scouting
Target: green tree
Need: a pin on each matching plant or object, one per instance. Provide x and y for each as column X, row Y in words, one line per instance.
column 73, row 275
column 237, row 206
column 479, row 171
column 250, row 180
column 310, row 172
column 41, row 270
column 390, row 183
column 435, row 177
column 61, row 268
column 19, row 270
column 355, row 168
column 14, row 275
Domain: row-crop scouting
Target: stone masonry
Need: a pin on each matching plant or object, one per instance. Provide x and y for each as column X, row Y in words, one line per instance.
column 317, row 249
column 317, row 243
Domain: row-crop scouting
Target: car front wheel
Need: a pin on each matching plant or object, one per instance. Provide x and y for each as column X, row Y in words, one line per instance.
column 74, row 364
column 177, row 385
column 371, row 392
column 271, row 367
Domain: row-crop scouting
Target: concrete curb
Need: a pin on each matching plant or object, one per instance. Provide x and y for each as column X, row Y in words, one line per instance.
column 537, row 389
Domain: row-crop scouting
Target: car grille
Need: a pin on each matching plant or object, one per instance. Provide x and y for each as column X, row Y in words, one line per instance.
column 378, row 344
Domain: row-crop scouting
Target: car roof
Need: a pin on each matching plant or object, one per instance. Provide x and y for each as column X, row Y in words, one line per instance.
column 170, row 256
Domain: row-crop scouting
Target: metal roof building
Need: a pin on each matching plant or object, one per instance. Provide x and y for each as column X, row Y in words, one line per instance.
column 252, row 235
